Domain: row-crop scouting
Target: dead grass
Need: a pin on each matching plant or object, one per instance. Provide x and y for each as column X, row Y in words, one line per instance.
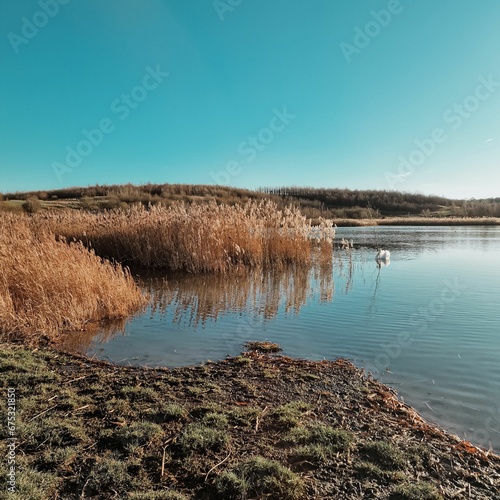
column 47, row 286
column 197, row 238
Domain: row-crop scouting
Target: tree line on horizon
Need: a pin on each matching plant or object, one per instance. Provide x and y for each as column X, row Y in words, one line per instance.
column 313, row 202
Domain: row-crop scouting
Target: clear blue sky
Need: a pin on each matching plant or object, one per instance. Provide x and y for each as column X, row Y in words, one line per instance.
column 258, row 93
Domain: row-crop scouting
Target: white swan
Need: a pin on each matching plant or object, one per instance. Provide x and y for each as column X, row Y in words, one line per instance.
column 383, row 255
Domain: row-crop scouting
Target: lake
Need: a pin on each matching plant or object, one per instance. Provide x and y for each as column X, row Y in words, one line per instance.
column 427, row 324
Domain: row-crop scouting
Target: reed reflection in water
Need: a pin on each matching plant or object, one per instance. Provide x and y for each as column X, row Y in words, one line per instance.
column 191, row 301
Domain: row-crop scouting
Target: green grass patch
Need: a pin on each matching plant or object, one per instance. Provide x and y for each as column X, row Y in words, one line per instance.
column 51, row 431
column 259, row 477
column 158, row 495
column 134, row 435
column 215, row 420
column 110, row 474
column 290, row 414
column 173, row 412
column 30, row 483
column 319, row 442
column 198, row 437
column 138, row 393
column 385, row 455
column 417, row 491
column 244, row 416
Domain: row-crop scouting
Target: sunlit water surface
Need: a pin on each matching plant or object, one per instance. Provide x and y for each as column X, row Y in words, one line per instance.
column 427, row 324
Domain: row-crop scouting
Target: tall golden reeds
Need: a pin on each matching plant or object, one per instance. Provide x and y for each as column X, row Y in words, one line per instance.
column 49, row 286
column 197, row 238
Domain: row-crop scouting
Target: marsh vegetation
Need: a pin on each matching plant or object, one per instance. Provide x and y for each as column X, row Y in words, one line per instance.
column 49, row 286
column 61, row 271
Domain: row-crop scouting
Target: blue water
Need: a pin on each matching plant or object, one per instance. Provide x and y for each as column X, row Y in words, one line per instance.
column 426, row 324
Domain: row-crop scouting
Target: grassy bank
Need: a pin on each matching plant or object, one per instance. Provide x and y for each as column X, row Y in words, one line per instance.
column 196, row 238
column 253, row 426
column 49, row 286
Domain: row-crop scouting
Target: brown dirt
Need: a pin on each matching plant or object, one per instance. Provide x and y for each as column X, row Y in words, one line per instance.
column 256, row 400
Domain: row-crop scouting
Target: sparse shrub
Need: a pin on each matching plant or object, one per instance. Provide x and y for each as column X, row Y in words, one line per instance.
column 32, row 205
column 89, row 204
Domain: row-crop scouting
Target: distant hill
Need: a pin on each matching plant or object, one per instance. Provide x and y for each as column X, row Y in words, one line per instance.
column 313, row 202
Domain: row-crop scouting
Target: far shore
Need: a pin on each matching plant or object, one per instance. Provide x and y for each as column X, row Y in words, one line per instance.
column 419, row 221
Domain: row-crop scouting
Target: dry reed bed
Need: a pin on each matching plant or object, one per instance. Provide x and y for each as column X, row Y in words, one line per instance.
column 49, row 286
column 197, row 238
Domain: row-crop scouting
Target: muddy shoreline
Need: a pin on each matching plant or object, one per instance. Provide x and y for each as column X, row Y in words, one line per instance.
column 252, row 426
